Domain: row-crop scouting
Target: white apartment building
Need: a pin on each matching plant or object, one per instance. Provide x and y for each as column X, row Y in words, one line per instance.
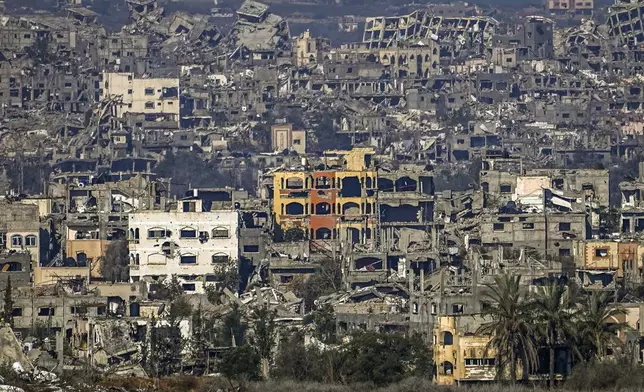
column 189, row 243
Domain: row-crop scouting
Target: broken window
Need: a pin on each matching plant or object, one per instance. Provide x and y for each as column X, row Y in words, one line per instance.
column 16, row 241
column 189, row 206
column 188, row 259
column 564, row 226
column 149, row 91
column 294, row 183
column 220, row 232
column 322, row 183
column 601, row 252
column 286, row 279
column 499, row 227
column 251, row 248
column 528, row 226
column 294, row 209
column 220, row 258
column 78, row 310
column 564, row 252
column 351, row 187
column 322, row 209
column 188, row 233
column 149, row 105
column 189, row 287
column 48, row 311
column 158, row 233
column 446, row 368
column 30, row 240
column 505, row 188
column 16, row 312
column 448, row 338
column 406, row 184
column 170, row 92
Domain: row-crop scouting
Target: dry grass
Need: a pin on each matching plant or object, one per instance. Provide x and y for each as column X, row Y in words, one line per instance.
column 408, row 385
column 209, row 384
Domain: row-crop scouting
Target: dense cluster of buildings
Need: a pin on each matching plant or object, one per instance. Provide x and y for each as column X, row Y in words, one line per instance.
column 540, row 116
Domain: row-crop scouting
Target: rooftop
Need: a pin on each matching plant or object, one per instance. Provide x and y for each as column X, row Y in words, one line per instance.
column 253, row 8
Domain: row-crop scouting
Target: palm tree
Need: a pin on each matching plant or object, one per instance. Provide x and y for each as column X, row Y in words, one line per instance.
column 510, row 326
column 555, row 319
column 599, row 323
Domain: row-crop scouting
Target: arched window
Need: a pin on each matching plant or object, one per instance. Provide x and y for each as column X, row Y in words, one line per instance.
column 322, row 208
column 16, row 241
column 31, row 241
column 188, row 232
column 157, row 259
column 447, row 368
column 294, row 208
column 219, row 258
column 157, row 232
column 220, row 232
column 448, row 338
column 323, row 233
column 188, row 258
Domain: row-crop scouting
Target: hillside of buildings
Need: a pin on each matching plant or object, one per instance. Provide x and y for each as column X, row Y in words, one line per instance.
column 321, row 196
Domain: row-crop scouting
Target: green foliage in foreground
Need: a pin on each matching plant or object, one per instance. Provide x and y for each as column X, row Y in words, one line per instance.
column 370, row 357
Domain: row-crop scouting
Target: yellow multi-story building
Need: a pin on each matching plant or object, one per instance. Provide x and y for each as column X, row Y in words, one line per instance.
column 460, row 354
column 337, row 202
column 622, row 257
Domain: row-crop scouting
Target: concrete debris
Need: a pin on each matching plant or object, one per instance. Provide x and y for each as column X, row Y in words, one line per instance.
column 217, row 162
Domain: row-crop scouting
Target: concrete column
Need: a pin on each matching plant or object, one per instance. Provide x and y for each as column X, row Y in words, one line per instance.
column 411, row 280
column 422, row 280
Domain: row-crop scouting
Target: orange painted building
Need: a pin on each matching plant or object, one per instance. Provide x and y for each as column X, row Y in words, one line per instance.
column 334, row 203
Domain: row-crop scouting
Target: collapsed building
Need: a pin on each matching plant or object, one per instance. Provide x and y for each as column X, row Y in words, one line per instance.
column 474, row 147
column 455, row 35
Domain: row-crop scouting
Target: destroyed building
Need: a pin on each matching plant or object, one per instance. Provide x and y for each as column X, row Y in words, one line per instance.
column 450, row 144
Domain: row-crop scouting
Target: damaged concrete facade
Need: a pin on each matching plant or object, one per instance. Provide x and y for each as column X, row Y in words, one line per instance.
column 192, row 243
column 444, row 148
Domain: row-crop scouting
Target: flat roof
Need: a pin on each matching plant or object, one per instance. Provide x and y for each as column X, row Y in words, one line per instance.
column 252, row 8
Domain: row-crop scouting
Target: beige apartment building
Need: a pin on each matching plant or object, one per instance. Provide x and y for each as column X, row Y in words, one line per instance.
column 284, row 137
column 153, row 97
